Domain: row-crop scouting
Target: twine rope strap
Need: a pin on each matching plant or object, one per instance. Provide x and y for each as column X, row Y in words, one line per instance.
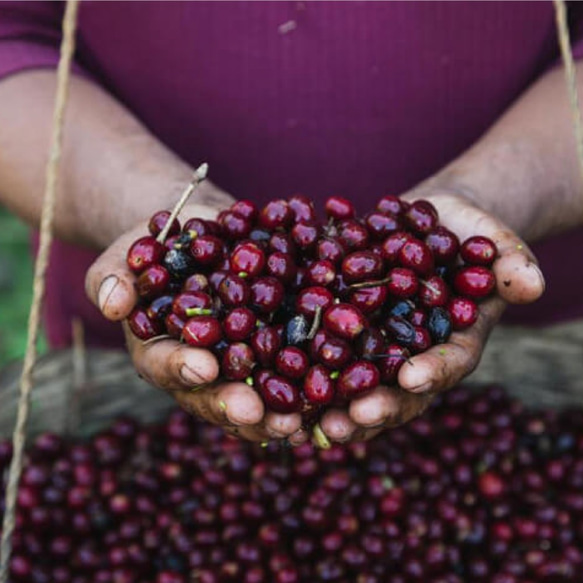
column 570, row 75
column 42, row 260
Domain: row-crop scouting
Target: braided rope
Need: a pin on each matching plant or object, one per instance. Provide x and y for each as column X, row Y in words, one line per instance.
column 42, row 260
column 570, row 75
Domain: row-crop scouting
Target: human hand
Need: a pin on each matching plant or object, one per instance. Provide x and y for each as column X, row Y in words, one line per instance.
column 176, row 367
column 519, row 281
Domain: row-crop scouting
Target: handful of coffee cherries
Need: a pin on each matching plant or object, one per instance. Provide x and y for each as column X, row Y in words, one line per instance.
column 310, row 312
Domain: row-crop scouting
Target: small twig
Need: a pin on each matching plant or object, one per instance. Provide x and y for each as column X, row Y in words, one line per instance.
column 429, row 286
column 365, row 284
column 320, row 439
column 315, row 323
column 199, row 175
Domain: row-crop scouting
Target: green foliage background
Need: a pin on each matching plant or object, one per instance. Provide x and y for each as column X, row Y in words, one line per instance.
column 16, row 270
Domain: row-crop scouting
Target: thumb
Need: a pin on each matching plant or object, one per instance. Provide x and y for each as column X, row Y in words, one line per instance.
column 109, row 283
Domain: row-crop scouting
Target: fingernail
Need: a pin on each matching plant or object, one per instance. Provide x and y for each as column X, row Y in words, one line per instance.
column 106, row 288
column 190, row 376
column 540, row 275
column 422, row 388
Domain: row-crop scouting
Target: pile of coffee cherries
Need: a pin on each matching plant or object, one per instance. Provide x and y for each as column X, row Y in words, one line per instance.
column 477, row 490
column 310, row 312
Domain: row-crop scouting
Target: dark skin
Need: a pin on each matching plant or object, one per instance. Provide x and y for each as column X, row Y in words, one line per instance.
column 526, row 160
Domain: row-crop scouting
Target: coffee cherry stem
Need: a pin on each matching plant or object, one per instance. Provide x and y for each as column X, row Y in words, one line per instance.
column 429, row 286
column 316, row 323
column 190, row 312
column 365, row 284
column 199, row 175
column 320, row 439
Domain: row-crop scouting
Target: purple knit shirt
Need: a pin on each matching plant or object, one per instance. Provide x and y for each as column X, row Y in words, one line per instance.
column 354, row 98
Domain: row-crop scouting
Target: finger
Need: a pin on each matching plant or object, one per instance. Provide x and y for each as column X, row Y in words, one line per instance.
column 279, row 426
column 519, row 279
column 254, row 434
column 299, row 437
column 337, row 425
column 109, row 283
column 444, row 365
column 170, row 365
column 397, row 406
column 373, row 409
column 227, row 404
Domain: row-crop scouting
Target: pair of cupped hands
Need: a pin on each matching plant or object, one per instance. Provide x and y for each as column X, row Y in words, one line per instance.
column 237, row 407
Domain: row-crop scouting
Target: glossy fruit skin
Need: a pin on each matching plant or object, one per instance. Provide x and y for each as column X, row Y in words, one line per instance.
column 180, row 264
column 358, row 379
column 144, row 253
column 476, row 282
column 400, row 330
column 421, row 217
column 463, row 313
column 439, row 325
column 152, row 282
column 353, row 235
column 280, row 395
column 478, row 250
column 312, row 298
column 158, row 222
column 174, row 325
column 381, row 225
column 267, row 294
column 404, row 283
column 370, row 344
column 392, row 204
column 344, row 320
column 247, row 259
column 238, row 361
column 197, row 282
column 319, row 388
column 207, row 250
column 233, row 225
column 443, row 244
column 333, row 352
column 329, row 249
column 188, row 300
column 245, row 208
column 433, row 292
column 266, row 343
column 160, row 308
column 142, row 326
column 415, row 255
column 393, row 244
column 196, row 228
column 302, row 208
column 422, row 340
column 321, row 273
column 339, row 208
column 305, row 235
column 234, row 291
column 202, row 331
column 281, row 266
column 369, row 299
column 292, row 363
column 361, row 266
column 276, row 213
column 239, row 324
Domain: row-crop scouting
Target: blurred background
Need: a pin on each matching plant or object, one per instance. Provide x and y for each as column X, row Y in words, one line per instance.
column 15, row 287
